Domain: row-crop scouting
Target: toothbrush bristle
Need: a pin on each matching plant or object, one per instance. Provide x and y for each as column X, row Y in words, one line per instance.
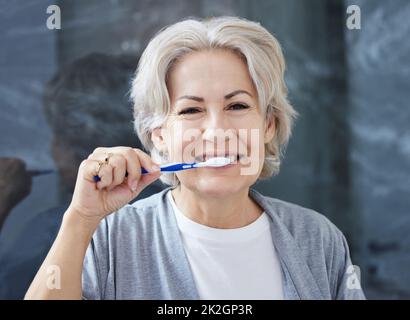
column 218, row 162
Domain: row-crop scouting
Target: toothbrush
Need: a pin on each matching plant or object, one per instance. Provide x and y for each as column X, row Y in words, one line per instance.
column 178, row 166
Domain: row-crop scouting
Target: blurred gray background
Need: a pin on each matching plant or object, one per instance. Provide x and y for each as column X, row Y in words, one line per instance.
column 350, row 151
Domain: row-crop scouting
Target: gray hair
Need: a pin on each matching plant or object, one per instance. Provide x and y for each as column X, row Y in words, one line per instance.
column 252, row 42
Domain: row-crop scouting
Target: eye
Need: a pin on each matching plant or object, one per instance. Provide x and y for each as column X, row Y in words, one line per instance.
column 189, row 111
column 238, row 106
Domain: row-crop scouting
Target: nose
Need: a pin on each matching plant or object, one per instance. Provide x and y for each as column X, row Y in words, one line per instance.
column 218, row 134
column 217, row 127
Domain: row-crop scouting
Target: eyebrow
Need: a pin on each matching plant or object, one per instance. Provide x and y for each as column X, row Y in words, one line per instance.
column 227, row 97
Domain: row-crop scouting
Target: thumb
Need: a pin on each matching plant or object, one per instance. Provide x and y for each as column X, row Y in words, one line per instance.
column 146, row 180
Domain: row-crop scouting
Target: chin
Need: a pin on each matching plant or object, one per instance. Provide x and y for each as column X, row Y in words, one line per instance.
column 219, row 186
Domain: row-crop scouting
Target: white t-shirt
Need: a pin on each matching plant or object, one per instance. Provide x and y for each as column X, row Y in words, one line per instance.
column 231, row 264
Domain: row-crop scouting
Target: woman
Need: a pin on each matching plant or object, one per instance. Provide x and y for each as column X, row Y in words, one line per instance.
column 203, row 89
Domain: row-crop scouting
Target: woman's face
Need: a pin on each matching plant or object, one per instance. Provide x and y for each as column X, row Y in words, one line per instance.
column 215, row 112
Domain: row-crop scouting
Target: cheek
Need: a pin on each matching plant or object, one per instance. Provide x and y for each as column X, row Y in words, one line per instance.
column 253, row 139
column 181, row 141
column 255, row 151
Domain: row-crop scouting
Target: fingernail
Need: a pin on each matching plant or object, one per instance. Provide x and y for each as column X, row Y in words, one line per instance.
column 134, row 186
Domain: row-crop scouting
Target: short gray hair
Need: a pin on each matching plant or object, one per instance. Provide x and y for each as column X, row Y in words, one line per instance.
column 252, row 42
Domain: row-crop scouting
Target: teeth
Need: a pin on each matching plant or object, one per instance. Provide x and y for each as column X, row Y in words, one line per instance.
column 232, row 158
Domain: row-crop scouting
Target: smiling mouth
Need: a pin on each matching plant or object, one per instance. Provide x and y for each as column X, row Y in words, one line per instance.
column 233, row 157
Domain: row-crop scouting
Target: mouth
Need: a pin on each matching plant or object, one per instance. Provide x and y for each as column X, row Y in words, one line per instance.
column 234, row 157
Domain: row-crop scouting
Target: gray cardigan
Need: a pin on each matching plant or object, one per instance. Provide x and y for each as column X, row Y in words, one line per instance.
column 137, row 253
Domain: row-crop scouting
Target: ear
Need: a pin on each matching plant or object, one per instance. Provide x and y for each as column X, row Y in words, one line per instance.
column 158, row 140
column 270, row 129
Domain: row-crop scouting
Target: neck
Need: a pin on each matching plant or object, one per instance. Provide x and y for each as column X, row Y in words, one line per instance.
column 234, row 211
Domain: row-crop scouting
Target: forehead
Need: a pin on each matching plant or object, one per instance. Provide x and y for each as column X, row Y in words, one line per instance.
column 212, row 71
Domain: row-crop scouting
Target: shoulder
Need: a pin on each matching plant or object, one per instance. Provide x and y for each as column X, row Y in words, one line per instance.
column 301, row 222
column 312, row 238
column 312, row 232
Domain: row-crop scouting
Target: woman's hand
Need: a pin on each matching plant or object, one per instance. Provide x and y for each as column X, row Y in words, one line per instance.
column 92, row 200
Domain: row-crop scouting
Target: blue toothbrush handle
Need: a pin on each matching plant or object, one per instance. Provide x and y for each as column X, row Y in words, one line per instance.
column 172, row 167
column 164, row 168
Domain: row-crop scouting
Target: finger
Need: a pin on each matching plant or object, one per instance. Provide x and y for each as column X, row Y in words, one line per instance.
column 146, row 161
column 151, row 166
column 146, row 179
column 103, row 177
column 133, row 167
column 105, row 150
column 106, row 176
column 119, row 164
column 116, row 160
column 90, row 168
column 135, row 159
